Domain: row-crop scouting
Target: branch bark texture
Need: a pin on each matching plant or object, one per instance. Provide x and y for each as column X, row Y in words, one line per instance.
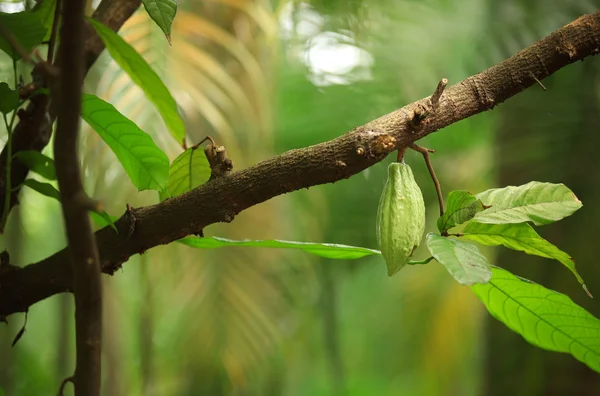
column 221, row 199
column 83, row 253
column 35, row 127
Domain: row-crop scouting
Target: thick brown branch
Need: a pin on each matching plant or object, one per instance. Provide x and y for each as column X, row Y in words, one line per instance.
column 221, row 199
column 35, row 126
column 85, row 262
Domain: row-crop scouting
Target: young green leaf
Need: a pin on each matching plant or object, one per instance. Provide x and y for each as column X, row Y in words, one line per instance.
column 462, row 260
column 461, row 207
column 541, row 203
column 26, row 28
column 38, row 163
column 142, row 74
column 9, row 99
column 327, row 250
column 144, row 162
column 189, row 170
column 162, row 12
column 521, row 237
column 46, row 189
column 103, row 219
column 543, row 317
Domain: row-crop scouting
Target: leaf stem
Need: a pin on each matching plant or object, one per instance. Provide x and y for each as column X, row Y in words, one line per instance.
column 53, row 34
column 420, row 262
column 438, row 188
column 9, row 129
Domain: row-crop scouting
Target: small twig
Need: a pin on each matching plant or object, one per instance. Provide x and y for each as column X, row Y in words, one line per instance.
column 435, row 98
column 438, row 188
column 53, row 34
column 538, row 81
column 64, row 383
column 212, row 142
column 22, row 331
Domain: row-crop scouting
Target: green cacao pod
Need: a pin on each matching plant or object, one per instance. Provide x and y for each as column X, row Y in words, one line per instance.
column 400, row 217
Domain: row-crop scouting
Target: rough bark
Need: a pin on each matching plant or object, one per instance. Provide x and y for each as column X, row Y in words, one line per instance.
column 221, row 199
column 83, row 253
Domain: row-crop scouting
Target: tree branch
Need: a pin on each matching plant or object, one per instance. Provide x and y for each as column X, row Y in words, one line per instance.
column 219, row 200
column 35, row 127
column 84, row 259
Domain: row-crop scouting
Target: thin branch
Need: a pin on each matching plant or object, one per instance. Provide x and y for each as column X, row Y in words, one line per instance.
column 425, row 152
column 538, row 81
column 63, row 384
column 221, row 199
column 85, row 261
column 53, row 34
column 35, row 127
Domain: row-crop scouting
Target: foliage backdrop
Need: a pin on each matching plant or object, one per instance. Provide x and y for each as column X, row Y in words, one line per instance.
column 262, row 77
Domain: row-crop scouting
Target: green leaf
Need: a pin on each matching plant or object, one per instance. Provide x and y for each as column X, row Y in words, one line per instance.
column 461, row 207
column 144, row 162
column 9, row 98
column 26, row 28
column 103, row 219
column 46, row 189
column 45, row 12
column 521, row 237
column 188, row 171
column 38, row 163
column 142, row 74
column 543, row 317
column 462, row 260
column 162, row 12
column 327, row 250
column 541, row 203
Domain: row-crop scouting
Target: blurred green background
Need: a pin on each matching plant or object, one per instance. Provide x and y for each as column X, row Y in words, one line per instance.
column 263, row 77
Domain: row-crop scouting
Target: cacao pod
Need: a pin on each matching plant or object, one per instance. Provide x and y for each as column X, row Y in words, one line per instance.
column 400, row 217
